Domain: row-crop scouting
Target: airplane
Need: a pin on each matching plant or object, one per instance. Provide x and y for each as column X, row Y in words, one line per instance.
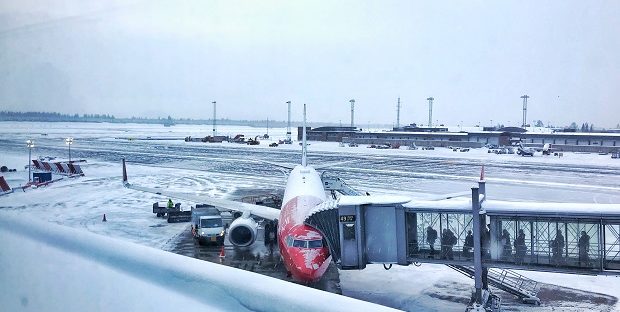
column 302, row 247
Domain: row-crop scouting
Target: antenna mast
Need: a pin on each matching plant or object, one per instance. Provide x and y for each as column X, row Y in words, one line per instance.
column 288, row 126
column 398, row 113
column 303, row 143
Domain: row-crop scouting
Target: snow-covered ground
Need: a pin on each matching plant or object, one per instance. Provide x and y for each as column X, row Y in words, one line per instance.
column 222, row 169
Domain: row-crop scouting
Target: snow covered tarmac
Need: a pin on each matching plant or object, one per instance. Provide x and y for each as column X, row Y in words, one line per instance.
column 221, row 169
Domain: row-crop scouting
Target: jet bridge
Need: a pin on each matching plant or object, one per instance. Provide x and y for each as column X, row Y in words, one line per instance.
column 567, row 238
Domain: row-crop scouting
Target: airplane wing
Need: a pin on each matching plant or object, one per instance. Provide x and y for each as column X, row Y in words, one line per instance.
column 256, row 210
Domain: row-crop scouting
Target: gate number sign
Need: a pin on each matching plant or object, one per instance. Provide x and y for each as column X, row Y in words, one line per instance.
column 347, row 218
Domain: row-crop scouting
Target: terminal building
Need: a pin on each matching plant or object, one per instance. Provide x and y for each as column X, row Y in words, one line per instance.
column 441, row 137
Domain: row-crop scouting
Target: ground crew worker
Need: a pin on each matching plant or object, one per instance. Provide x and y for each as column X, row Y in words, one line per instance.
column 584, row 248
column 431, row 237
column 170, row 204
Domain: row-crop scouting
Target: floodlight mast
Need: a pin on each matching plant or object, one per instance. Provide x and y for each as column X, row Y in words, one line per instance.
column 69, row 142
column 30, row 145
column 524, row 97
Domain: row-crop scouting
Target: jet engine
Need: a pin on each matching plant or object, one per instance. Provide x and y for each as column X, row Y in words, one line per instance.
column 242, row 231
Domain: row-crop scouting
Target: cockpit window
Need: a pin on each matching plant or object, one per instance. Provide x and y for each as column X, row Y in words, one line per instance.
column 306, row 243
column 315, row 243
column 299, row 243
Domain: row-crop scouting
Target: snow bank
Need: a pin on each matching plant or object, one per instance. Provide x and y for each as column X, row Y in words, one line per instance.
column 47, row 267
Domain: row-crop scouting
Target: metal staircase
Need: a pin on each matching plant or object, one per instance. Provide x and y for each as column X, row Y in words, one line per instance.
column 336, row 184
column 508, row 281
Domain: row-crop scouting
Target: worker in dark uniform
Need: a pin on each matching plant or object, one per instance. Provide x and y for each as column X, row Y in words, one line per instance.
column 431, row 237
column 584, row 248
column 170, row 204
column 520, row 247
column 469, row 245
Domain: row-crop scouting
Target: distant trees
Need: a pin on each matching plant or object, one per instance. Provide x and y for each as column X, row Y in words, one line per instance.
column 539, row 123
column 47, row 116
column 586, row 127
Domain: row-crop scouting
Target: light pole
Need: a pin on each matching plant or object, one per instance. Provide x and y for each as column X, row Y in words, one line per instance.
column 30, row 144
column 69, row 141
column 214, row 116
column 524, row 97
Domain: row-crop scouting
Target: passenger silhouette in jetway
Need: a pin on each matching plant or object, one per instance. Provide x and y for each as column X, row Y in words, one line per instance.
column 506, row 245
column 520, row 247
column 448, row 240
column 485, row 242
column 469, row 245
column 431, row 237
column 584, row 248
column 557, row 247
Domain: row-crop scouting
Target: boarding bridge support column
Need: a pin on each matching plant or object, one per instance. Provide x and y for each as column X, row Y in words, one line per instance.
column 475, row 206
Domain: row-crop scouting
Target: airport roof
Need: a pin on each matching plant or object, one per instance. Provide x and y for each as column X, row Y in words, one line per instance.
column 507, row 208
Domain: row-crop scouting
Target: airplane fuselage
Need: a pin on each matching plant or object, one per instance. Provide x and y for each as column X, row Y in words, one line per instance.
column 302, row 247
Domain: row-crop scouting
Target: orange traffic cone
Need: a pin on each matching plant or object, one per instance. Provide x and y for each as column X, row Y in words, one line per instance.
column 222, row 254
column 104, row 219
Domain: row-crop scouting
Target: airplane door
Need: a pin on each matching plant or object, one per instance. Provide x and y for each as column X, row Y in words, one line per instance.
column 351, row 238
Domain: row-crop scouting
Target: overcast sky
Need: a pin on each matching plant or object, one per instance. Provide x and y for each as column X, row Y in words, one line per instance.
column 159, row 58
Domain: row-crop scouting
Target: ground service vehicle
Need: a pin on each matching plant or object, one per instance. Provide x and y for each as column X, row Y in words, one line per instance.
column 207, row 225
